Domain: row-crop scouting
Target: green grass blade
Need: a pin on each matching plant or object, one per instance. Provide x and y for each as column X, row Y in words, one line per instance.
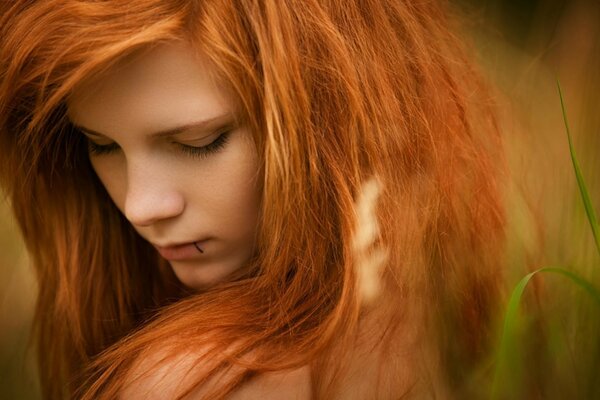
column 589, row 209
column 510, row 319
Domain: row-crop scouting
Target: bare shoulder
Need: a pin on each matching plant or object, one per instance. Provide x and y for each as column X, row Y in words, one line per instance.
column 163, row 375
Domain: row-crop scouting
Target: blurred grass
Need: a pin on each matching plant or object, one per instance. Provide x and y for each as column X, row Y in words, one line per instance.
column 585, row 197
column 509, row 368
column 523, row 47
column 552, row 351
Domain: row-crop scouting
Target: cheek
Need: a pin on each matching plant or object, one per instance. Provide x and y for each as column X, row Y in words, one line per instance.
column 113, row 177
column 246, row 196
column 237, row 190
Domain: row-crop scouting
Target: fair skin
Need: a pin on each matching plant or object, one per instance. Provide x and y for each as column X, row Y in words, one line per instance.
column 165, row 144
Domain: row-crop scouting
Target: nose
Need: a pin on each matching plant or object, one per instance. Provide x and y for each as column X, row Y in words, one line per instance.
column 151, row 196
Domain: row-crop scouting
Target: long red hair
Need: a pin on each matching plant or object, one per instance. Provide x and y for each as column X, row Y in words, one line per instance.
column 335, row 92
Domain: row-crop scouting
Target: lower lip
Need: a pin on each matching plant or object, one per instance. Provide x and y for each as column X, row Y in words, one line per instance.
column 181, row 252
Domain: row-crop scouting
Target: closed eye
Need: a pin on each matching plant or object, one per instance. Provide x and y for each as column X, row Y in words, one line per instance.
column 216, row 145
column 204, row 151
column 100, row 149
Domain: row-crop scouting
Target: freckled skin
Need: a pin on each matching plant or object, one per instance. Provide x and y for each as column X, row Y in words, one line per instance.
column 168, row 195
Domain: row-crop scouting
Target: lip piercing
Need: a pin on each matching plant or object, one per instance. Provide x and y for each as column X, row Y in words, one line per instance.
column 198, row 247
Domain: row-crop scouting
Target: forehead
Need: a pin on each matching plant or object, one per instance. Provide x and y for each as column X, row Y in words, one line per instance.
column 150, row 90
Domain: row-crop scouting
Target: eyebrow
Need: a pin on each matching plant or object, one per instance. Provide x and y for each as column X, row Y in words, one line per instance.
column 200, row 125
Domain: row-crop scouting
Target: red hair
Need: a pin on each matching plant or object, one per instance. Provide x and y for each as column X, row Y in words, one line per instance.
column 335, row 92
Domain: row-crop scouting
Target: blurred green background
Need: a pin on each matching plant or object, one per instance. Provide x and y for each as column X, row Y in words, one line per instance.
column 523, row 47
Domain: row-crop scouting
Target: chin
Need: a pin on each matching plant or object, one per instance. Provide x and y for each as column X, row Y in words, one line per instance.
column 203, row 277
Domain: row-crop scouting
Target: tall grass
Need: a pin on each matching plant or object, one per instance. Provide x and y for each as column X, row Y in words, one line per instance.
column 509, row 376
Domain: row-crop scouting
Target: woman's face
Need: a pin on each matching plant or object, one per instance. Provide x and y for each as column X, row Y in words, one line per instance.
column 163, row 140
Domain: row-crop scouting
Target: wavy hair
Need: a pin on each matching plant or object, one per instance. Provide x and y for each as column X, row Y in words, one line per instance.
column 335, row 92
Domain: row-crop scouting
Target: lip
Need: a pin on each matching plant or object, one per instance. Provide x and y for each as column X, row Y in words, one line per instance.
column 179, row 252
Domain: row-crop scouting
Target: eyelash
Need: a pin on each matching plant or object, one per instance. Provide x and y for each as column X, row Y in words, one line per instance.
column 193, row 151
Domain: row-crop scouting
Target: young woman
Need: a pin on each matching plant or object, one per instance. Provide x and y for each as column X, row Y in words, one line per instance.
column 186, row 177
